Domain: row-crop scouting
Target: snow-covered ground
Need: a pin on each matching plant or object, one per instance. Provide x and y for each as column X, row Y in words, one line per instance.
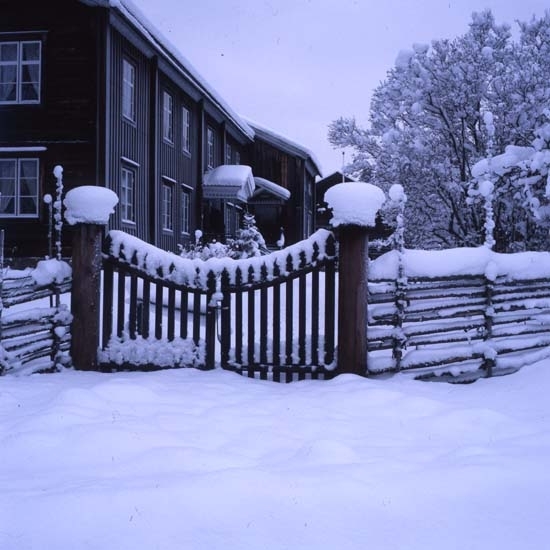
column 184, row 459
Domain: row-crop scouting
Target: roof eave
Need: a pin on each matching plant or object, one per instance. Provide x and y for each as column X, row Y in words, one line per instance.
column 133, row 16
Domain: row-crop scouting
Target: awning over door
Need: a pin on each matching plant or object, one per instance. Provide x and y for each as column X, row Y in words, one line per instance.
column 263, row 185
column 229, row 182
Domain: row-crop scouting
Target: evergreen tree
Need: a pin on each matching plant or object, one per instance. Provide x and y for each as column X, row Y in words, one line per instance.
column 249, row 241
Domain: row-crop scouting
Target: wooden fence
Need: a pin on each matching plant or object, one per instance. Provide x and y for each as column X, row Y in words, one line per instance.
column 284, row 316
column 457, row 327
column 34, row 338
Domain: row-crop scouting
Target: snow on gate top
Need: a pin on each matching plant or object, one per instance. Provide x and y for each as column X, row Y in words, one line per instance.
column 89, row 204
column 354, row 203
column 193, row 273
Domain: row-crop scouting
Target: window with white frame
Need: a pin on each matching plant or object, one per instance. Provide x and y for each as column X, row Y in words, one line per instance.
column 185, row 210
column 228, row 153
column 20, row 71
column 211, row 147
column 129, row 90
column 19, row 187
column 127, row 194
column 186, row 129
column 167, row 207
column 167, row 117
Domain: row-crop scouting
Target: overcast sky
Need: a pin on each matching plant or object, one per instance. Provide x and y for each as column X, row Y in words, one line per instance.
column 296, row 65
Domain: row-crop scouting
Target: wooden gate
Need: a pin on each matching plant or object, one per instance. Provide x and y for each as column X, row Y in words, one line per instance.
column 278, row 319
column 271, row 317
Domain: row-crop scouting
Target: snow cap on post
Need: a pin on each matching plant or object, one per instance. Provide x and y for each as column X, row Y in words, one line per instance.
column 354, row 203
column 89, row 204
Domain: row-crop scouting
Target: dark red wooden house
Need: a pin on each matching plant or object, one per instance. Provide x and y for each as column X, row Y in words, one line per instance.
column 91, row 85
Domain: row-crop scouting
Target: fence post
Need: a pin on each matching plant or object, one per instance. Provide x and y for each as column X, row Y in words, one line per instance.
column 85, row 294
column 352, row 300
column 355, row 207
column 88, row 209
column 489, row 360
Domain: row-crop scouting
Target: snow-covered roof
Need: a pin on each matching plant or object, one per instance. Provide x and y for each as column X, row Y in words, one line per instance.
column 273, row 188
column 229, row 181
column 334, row 175
column 155, row 37
column 284, row 143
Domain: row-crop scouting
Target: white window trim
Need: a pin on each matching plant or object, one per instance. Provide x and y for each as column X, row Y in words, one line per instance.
column 186, row 130
column 167, row 214
column 228, row 153
column 132, row 87
column 168, row 117
column 210, row 147
column 185, row 210
column 19, row 70
column 17, row 195
column 123, row 196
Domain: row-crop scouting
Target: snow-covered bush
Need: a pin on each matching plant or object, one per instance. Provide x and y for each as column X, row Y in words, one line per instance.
column 516, row 184
column 248, row 244
column 200, row 251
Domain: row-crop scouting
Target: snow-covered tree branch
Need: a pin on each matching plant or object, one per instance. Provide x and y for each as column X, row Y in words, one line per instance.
column 428, row 128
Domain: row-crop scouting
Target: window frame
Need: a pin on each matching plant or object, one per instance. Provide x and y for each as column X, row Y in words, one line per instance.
column 129, row 86
column 185, row 211
column 210, row 147
column 19, row 64
column 17, row 189
column 228, row 153
column 167, row 117
column 127, row 195
column 167, row 207
column 186, row 130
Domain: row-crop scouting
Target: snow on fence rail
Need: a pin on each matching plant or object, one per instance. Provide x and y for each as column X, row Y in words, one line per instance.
column 35, row 339
column 464, row 313
column 155, row 302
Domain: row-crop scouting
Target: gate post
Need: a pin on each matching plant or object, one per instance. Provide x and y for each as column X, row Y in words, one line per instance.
column 355, row 206
column 86, row 260
column 353, row 300
column 88, row 209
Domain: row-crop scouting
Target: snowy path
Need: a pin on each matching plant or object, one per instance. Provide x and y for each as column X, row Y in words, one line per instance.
column 205, row 460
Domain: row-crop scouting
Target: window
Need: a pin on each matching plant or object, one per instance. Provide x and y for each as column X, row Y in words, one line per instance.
column 19, row 187
column 167, row 117
column 127, row 193
column 229, row 218
column 128, row 90
column 167, row 218
column 20, row 72
column 186, row 130
column 185, row 210
column 237, row 157
column 210, row 140
column 228, row 155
